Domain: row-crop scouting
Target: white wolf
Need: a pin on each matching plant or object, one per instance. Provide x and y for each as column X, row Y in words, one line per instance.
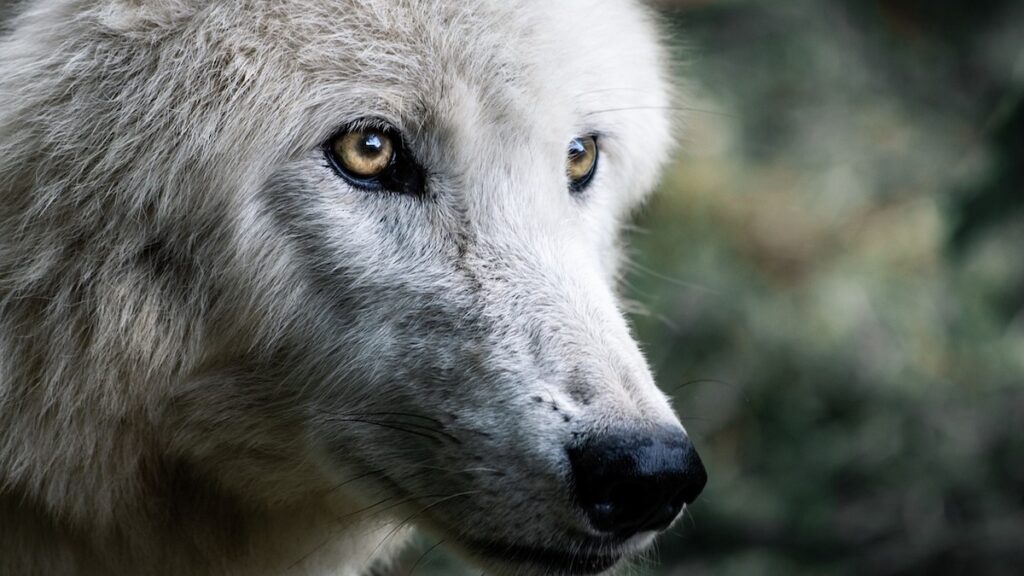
column 280, row 279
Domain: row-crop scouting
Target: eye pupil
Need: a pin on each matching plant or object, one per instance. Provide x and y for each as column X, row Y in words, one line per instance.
column 576, row 149
column 372, row 144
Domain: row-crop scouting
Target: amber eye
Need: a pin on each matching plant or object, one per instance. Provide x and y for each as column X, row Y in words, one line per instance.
column 581, row 162
column 364, row 153
column 374, row 158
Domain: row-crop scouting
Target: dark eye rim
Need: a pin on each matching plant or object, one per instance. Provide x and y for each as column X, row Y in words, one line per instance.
column 579, row 185
column 403, row 174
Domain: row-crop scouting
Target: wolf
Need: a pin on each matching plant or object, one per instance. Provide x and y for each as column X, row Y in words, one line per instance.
column 282, row 281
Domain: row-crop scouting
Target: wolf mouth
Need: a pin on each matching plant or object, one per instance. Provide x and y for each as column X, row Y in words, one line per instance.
column 559, row 562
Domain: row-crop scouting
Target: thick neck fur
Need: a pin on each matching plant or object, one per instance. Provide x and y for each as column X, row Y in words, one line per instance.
column 107, row 325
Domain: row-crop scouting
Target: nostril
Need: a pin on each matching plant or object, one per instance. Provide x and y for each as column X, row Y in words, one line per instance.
column 661, row 518
column 627, row 496
column 627, row 505
column 631, row 484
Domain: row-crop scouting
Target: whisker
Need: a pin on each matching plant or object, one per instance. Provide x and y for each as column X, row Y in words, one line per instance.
column 689, row 515
column 613, row 89
column 366, row 418
column 675, row 108
column 405, row 522
column 421, row 469
column 324, row 542
column 423, row 556
column 337, row 519
column 347, row 481
column 682, row 385
column 391, row 426
column 406, row 414
column 676, row 281
column 461, row 471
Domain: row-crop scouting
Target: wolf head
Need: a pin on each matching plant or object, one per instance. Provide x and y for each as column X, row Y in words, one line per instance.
column 360, row 250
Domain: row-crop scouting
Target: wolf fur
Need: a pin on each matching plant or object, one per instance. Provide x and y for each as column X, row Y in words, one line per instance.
column 217, row 357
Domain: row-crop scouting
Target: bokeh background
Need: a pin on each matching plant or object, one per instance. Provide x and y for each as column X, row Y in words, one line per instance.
column 830, row 283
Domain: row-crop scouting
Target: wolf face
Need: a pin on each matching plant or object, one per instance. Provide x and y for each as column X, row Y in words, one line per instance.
column 362, row 253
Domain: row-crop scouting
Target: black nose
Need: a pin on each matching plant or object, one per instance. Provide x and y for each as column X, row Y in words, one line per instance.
column 633, row 483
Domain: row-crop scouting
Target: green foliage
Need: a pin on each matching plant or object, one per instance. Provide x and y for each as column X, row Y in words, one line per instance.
column 857, row 392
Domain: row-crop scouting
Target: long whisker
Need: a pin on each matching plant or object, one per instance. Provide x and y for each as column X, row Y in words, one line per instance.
column 421, row 470
column 391, row 426
column 423, row 556
column 689, row 515
column 676, row 281
column 697, row 381
column 347, row 481
column 461, row 471
column 406, row 521
column 675, row 108
column 392, row 505
column 369, row 418
column 405, row 414
column 324, row 542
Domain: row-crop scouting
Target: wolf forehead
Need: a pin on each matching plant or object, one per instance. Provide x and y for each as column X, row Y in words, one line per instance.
column 302, row 68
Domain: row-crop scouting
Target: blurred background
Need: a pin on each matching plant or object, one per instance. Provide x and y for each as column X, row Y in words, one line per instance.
column 830, row 283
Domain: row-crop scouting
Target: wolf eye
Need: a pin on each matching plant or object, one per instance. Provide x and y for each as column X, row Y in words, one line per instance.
column 374, row 158
column 581, row 162
column 365, row 153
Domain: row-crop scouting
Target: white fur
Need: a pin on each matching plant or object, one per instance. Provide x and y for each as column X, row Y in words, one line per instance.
column 194, row 309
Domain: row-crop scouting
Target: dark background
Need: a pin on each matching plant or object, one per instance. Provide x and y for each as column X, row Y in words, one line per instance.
column 830, row 282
